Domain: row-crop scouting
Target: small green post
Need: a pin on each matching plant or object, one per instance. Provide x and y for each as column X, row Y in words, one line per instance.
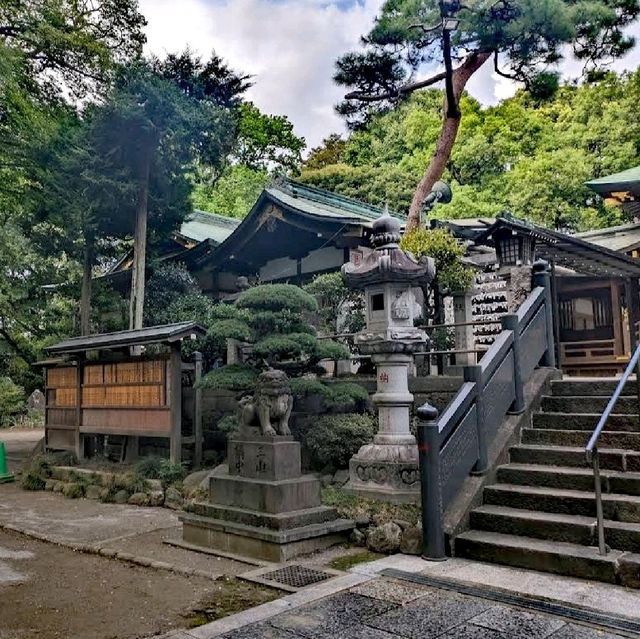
column 5, row 475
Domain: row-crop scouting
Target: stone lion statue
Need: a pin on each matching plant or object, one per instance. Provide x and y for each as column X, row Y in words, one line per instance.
column 271, row 404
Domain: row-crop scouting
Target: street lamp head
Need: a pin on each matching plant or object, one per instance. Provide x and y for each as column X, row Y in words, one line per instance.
column 450, row 24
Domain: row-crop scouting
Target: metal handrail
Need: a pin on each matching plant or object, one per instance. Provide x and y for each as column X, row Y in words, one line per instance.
column 591, row 450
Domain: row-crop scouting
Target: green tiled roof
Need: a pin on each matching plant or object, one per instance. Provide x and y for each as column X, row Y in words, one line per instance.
column 628, row 180
column 208, row 226
column 321, row 203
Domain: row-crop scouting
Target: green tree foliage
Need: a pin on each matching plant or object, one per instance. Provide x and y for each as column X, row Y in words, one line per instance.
column 340, row 308
column 233, row 194
column 329, row 152
column 524, row 39
column 264, row 145
column 527, row 156
column 447, row 252
column 276, row 323
column 71, row 45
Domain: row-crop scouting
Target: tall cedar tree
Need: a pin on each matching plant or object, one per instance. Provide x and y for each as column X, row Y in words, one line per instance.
column 523, row 38
column 160, row 117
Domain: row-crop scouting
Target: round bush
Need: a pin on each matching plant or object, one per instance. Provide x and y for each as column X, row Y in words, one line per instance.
column 334, row 439
column 277, row 297
column 237, row 377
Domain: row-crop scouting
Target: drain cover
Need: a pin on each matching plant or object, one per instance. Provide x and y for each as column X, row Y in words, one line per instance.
column 296, row 576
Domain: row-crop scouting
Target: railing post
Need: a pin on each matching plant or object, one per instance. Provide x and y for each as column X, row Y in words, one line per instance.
column 197, row 410
column 474, row 374
column 433, row 548
column 510, row 323
column 542, row 277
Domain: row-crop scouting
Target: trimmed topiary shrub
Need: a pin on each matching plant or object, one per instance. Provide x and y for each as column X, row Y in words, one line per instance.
column 343, row 395
column 334, row 439
column 235, row 377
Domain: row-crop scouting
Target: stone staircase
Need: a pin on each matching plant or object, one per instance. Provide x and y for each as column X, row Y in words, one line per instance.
column 540, row 512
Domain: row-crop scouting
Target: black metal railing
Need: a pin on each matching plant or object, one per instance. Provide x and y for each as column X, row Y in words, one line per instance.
column 591, row 450
column 456, row 444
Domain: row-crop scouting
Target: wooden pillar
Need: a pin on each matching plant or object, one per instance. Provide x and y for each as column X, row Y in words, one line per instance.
column 197, row 411
column 78, row 443
column 175, row 397
column 633, row 303
column 616, row 319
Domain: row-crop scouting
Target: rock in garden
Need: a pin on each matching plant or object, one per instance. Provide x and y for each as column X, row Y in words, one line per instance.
column 173, row 498
column 363, row 521
column 139, row 499
column 341, row 477
column 121, row 497
column 358, row 538
column 411, row 541
column 72, row 490
column 93, row 492
column 156, row 498
column 193, row 481
column 326, row 480
column 385, row 538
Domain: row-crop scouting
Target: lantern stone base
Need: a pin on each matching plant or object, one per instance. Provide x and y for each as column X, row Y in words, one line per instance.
column 385, row 472
column 261, row 506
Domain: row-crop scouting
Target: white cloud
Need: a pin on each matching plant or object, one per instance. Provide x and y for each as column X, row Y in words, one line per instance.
column 290, row 46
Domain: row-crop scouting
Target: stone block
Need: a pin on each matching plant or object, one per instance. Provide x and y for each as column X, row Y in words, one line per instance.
column 282, row 521
column 266, row 496
column 260, row 543
column 264, row 457
column 629, row 570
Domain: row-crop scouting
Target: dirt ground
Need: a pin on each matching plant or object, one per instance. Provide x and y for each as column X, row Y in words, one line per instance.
column 51, row 592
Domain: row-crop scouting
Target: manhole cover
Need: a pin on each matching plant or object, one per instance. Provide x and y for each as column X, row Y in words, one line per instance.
column 296, row 576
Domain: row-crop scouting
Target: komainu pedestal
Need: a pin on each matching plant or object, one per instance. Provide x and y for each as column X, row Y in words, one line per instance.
column 260, row 504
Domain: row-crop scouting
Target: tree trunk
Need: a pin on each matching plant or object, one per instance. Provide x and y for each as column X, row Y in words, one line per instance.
column 447, row 138
column 136, row 299
column 85, row 292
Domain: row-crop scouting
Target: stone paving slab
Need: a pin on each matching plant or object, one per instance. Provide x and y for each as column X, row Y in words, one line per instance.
column 79, row 521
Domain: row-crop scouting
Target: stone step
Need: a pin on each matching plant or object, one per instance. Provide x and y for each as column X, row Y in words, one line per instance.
column 568, row 478
column 536, row 554
column 610, row 458
column 616, row 507
column 584, row 421
column 576, row 404
column 603, row 387
column 580, row 438
column 573, row 529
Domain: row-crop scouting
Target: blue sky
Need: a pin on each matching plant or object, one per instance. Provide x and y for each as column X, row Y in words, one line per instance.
column 290, row 47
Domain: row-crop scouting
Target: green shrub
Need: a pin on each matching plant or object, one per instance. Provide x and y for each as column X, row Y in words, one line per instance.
column 228, row 425
column 277, row 297
column 308, row 386
column 12, row 399
column 153, row 468
column 148, row 467
column 328, row 349
column 229, row 329
column 334, row 439
column 36, row 475
column 236, row 377
column 346, row 394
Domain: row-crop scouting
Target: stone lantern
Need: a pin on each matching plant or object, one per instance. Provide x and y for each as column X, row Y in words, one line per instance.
column 388, row 468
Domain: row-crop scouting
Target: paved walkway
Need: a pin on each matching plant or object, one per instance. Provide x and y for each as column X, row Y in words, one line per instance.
column 363, row 604
column 131, row 533
column 388, row 609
